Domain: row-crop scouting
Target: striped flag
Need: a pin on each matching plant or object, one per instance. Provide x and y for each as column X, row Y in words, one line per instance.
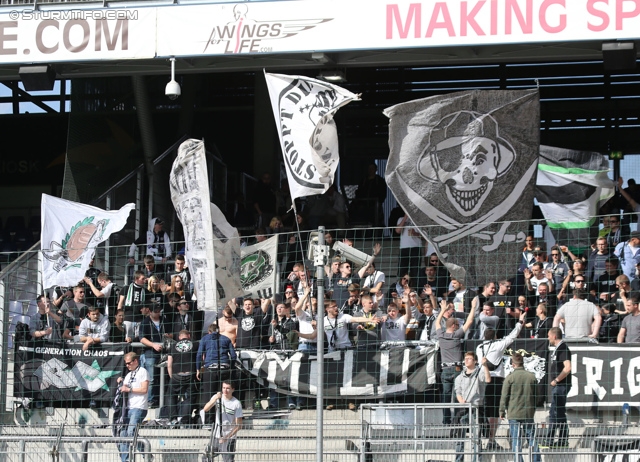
column 571, row 187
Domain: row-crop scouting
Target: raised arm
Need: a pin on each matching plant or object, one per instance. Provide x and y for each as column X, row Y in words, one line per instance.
column 626, row 195
column 302, row 300
column 376, row 251
column 469, row 320
column 443, row 308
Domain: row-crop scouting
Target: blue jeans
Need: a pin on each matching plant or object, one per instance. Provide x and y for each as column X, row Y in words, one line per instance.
column 558, row 416
column 448, row 378
column 149, row 362
column 135, row 417
column 526, row 428
column 461, row 433
column 311, row 348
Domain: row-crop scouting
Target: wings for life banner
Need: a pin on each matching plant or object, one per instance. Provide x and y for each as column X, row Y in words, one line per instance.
column 258, row 270
column 189, row 184
column 463, row 166
column 571, row 187
column 303, row 109
column 70, row 234
column 350, row 373
column 63, row 375
column 226, row 246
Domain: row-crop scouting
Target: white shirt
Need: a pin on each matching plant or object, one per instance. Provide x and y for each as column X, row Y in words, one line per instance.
column 231, row 410
column 304, row 324
column 137, row 400
column 394, row 329
column 338, row 329
column 372, row 281
column 107, row 293
column 535, row 282
column 406, row 240
column 494, row 351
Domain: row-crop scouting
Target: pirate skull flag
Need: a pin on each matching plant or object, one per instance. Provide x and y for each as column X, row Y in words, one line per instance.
column 571, row 187
column 304, row 108
column 70, row 234
column 463, row 166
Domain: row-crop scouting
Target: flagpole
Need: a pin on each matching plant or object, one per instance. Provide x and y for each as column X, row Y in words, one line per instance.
column 320, row 344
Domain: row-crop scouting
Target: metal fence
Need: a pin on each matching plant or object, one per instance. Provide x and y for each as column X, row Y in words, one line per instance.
column 385, row 432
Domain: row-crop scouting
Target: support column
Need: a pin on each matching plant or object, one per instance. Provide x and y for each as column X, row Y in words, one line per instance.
column 266, row 148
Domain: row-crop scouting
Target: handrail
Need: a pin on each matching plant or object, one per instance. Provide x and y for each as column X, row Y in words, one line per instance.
column 135, row 171
column 77, row 439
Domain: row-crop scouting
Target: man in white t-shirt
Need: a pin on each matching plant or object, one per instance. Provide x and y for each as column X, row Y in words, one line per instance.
column 394, row 326
column 135, row 387
column 231, row 414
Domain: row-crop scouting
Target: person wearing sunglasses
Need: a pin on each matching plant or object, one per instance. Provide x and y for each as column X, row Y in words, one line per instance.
column 135, row 386
column 341, row 284
column 558, row 268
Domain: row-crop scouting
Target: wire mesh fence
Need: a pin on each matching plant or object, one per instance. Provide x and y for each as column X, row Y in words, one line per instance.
column 392, row 354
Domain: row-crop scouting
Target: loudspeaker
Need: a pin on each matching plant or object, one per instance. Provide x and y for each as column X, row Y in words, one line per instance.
column 618, row 56
column 37, row 78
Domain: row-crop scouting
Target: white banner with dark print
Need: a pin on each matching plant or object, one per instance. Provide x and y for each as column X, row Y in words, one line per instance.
column 303, row 109
column 258, row 268
column 226, row 246
column 63, row 375
column 571, row 187
column 463, row 167
column 189, row 184
column 70, row 233
column 350, row 373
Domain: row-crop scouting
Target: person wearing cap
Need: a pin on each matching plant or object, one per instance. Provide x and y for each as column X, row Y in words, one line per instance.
column 152, row 335
column 157, row 242
column 187, row 318
column 629, row 254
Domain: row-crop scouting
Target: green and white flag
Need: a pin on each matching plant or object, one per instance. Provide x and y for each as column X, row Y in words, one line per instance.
column 571, row 187
column 258, row 272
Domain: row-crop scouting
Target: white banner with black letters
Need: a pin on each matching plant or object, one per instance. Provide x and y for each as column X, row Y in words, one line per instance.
column 463, row 166
column 303, row 109
column 258, row 268
column 189, row 184
column 605, row 375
